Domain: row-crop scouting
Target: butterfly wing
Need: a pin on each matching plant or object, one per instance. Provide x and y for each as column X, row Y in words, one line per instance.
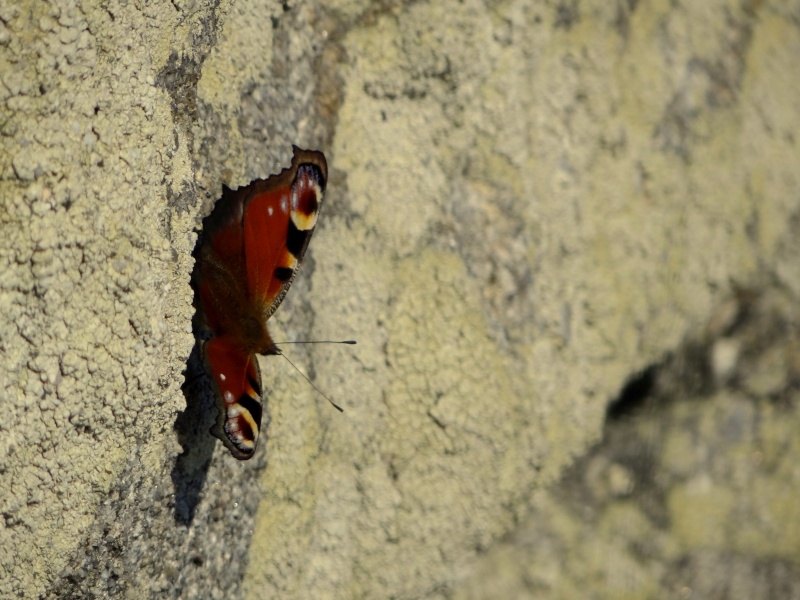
column 279, row 217
column 238, row 383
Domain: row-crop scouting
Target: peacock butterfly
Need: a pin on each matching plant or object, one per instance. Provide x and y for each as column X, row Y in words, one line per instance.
column 252, row 244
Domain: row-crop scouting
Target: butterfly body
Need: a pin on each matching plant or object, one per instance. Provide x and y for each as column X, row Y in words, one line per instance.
column 252, row 245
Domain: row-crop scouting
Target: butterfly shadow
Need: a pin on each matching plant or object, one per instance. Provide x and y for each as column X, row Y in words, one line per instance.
column 192, row 428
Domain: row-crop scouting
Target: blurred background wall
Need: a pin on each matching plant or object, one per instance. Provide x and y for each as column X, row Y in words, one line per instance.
column 563, row 233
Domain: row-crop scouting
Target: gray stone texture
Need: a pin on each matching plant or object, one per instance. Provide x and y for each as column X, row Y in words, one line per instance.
column 530, row 203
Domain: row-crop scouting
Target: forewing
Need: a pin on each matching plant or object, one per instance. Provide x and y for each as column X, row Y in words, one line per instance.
column 279, row 218
column 220, row 274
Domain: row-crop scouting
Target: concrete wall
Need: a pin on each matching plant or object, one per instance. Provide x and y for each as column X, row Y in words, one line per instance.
column 529, row 203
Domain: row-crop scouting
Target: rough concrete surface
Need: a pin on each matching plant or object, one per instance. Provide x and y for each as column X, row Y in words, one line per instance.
column 692, row 492
column 529, row 203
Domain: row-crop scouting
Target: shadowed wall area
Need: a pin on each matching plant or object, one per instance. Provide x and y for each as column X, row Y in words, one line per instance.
column 564, row 235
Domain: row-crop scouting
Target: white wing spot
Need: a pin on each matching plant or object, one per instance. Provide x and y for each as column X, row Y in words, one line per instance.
column 285, row 205
column 222, row 377
column 229, row 397
column 269, row 211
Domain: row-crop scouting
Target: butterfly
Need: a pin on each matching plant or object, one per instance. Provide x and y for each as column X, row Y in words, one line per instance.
column 252, row 244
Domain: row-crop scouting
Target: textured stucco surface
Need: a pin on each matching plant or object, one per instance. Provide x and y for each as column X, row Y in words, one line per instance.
column 104, row 123
column 529, row 202
column 93, row 291
column 692, row 492
column 547, row 201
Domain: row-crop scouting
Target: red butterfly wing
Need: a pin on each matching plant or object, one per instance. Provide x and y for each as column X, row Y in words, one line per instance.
column 278, row 222
column 253, row 243
column 220, row 270
column 238, row 383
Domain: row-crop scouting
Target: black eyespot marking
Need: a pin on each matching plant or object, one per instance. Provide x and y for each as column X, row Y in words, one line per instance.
column 307, row 203
column 253, row 407
column 314, row 172
column 296, row 240
column 283, row 274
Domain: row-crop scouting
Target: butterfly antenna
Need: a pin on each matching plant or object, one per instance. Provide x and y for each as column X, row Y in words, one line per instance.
column 311, row 383
column 319, row 342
